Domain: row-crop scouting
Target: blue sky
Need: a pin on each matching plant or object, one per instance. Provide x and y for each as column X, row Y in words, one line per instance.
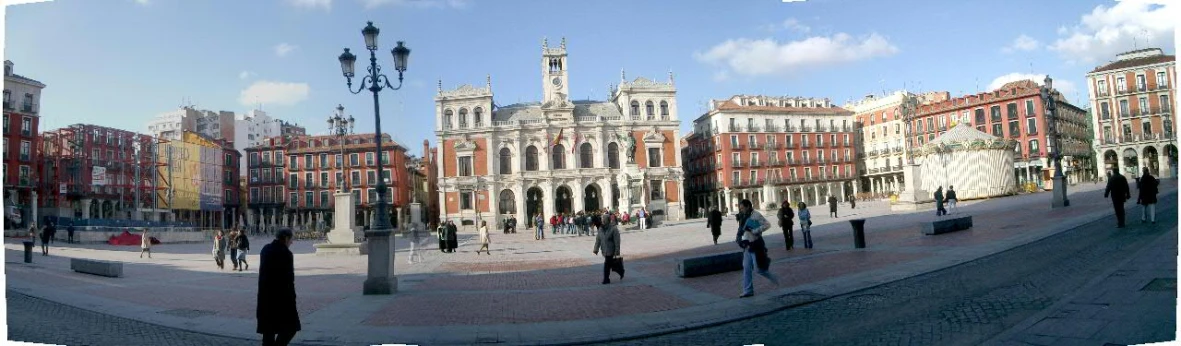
column 120, row 62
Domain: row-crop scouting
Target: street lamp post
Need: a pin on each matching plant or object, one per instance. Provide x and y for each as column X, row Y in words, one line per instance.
column 340, row 127
column 381, row 278
column 1059, row 199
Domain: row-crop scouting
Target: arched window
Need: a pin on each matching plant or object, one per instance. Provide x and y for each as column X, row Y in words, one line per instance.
column 447, row 119
column 635, row 108
column 478, row 116
column 649, row 108
column 506, row 161
column 586, row 156
column 508, row 202
column 559, row 157
column 531, row 158
column 463, row 118
column 664, row 108
column 613, row 156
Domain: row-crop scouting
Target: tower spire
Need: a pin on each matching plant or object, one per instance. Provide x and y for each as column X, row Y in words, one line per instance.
column 440, row 89
column 544, row 42
column 488, row 79
column 622, row 75
column 563, row 42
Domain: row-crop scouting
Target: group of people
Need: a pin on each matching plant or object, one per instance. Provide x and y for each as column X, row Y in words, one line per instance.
column 47, row 234
column 940, row 198
column 237, row 244
column 448, row 237
column 1119, row 192
column 786, row 218
column 583, row 223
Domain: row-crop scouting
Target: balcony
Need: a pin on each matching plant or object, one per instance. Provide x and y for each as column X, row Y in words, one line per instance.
column 737, row 128
column 789, row 145
column 1162, row 86
column 805, row 129
column 806, row 145
column 821, row 161
column 753, row 128
column 735, row 146
column 28, row 108
column 806, row 161
column 790, row 129
column 822, row 129
column 773, row 146
column 1141, row 88
column 1125, row 114
column 1122, row 91
column 736, row 164
column 756, row 164
column 772, row 128
column 755, row 146
column 774, row 163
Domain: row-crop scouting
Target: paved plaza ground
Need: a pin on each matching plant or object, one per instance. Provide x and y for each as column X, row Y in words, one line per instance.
column 545, row 292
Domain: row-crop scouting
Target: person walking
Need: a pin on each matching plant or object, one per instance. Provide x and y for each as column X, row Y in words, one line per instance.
column 219, row 250
column 714, row 222
column 939, row 210
column 785, row 222
column 233, row 246
column 243, row 247
column 70, row 233
column 452, row 237
column 512, row 224
column 145, row 244
column 951, row 199
column 441, row 232
column 553, row 223
column 52, row 230
column 805, row 224
column 832, row 206
column 539, row 224
column 643, row 216
column 414, row 238
column 483, row 232
column 1149, row 187
column 852, row 202
column 754, row 248
column 44, row 233
column 278, row 318
column 1117, row 188
column 608, row 239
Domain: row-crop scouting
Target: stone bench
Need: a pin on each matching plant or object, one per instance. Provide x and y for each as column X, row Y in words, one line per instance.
column 97, row 267
column 709, row 264
column 947, row 225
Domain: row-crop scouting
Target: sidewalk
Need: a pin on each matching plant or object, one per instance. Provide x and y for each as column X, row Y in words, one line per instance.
column 548, row 292
column 1134, row 303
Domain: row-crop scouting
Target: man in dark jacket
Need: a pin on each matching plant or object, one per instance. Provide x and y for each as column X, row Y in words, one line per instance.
column 1148, row 190
column 278, row 318
column 939, row 211
column 832, row 205
column 785, row 221
column 608, row 240
column 715, row 223
column 951, row 198
column 1117, row 188
column 70, row 233
column 243, row 247
column 452, row 236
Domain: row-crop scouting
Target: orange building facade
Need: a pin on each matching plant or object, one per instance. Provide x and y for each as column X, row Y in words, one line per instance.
column 1134, row 100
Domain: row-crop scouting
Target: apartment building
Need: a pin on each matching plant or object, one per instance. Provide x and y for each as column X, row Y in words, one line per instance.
column 1134, row 99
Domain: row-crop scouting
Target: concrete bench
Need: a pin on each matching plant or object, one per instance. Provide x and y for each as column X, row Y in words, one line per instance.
column 97, row 267
column 709, row 265
column 947, row 225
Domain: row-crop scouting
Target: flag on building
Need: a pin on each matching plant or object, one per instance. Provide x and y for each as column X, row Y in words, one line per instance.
column 575, row 145
column 557, row 139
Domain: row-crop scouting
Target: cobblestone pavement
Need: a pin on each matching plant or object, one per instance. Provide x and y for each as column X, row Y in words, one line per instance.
column 41, row 321
column 962, row 305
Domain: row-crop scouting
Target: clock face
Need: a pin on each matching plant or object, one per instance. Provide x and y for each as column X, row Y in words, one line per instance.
column 557, row 81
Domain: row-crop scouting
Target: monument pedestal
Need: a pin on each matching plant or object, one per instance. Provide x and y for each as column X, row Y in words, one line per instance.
column 344, row 238
column 913, row 197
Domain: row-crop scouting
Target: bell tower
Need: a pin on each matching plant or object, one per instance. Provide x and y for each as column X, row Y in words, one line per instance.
column 554, row 79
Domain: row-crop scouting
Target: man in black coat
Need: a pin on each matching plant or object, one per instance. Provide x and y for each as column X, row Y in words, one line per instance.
column 832, row 206
column 452, row 237
column 1117, row 188
column 278, row 319
column 785, row 221
column 1148, row 189
column 715, row 223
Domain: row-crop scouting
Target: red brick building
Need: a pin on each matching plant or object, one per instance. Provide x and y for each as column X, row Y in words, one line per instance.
column 75, row 154
column 769, row 149
column 292, row 181
column 1015, row 111
column 22, row 100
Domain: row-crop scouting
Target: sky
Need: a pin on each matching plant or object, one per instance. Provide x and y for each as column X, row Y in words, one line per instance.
column 119, row 63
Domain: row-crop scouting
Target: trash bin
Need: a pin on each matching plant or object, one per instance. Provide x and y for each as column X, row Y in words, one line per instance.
column 858, row 233
column 28, row 251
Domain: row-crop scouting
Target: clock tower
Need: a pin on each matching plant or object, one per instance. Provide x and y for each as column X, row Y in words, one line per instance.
column 554, row 80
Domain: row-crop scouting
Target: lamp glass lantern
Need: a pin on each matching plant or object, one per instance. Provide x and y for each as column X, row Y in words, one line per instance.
column 370, row 32
column 401, row 56
column 347, row 61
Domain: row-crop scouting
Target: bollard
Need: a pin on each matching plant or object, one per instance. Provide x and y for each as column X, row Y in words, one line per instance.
column 858, row 233
column 28, row 251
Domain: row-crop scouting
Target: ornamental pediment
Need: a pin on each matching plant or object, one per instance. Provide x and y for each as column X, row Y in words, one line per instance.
column 465, row 145
column 654, row 136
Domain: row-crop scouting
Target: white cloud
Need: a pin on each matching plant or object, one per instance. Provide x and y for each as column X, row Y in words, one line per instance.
column 770, row 57
column 1063, row 86
column 1107, row 31
column 245, row 74
column 274, row 93
column 312, row 4
column 456, row 4
column 790, row 24
column 283, row 48
column 1022, row 43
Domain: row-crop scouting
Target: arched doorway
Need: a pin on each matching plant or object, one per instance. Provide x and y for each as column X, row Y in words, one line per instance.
column 533, row 200
column 1131, row 161
column 1151, row 161
column 1110, row 161
column 508, row 202
column 591, row 196
column 563, row 198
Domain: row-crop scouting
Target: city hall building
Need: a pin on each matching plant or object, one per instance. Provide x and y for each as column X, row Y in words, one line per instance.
column 558, row 155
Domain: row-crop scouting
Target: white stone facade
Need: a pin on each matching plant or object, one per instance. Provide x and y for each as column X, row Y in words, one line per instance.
column 557, row 155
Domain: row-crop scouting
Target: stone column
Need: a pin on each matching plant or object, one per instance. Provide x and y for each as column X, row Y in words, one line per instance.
column 548, row 199
column 576, row 198
column 816, row 193
column 844, row 195
column 522, row 207
column 33, row 202
column 1163, row 165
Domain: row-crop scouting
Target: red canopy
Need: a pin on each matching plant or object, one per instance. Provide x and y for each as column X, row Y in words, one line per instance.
column 129, row 239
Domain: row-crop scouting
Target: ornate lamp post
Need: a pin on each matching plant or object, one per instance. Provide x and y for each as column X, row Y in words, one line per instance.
column 381, row 271
column 340, row 127
column 1059, row 200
